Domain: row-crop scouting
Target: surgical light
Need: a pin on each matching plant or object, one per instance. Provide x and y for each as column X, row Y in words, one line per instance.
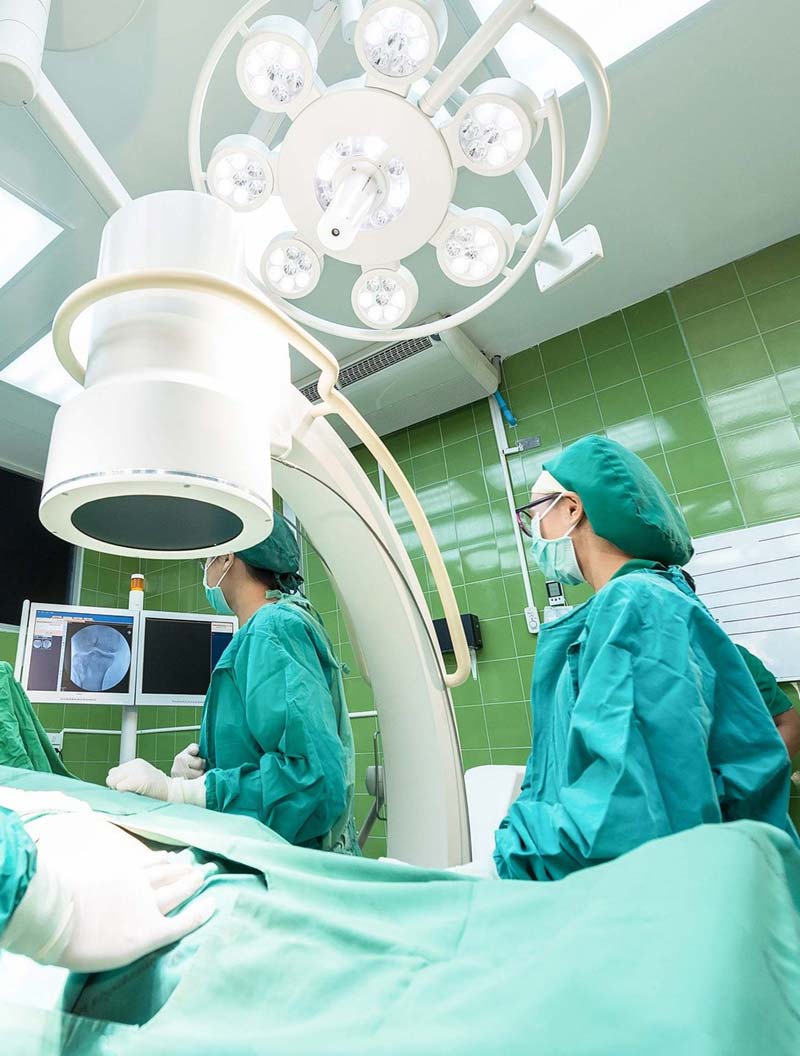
column 400, row 39
column 384, row 297
column 475, row 246
column 290, row 267
column 240, row 172
column 277, row 64
column 497, row 126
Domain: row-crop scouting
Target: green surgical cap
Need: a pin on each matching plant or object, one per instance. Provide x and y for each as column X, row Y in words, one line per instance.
column 279, row 554
column 624, row 500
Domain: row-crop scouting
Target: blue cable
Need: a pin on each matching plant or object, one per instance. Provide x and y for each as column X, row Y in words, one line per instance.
column 505, row 410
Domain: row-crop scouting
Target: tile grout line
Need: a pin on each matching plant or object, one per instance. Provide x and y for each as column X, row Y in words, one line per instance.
column 733, row 487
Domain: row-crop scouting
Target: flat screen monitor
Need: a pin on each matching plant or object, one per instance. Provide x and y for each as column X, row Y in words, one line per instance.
column 178, row 653
column 78, row 654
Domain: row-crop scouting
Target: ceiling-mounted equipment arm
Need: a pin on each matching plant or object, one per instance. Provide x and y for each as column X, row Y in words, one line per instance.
column 507, row 14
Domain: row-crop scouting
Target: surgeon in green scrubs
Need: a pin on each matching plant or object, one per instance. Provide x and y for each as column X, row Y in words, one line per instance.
column 646, row 720
column 275, row 742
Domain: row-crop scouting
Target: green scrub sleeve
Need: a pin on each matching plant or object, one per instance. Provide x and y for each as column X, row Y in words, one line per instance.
column 776, row 700
column 298, row 787
column 17, row 864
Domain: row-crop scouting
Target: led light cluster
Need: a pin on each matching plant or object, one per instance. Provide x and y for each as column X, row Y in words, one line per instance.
column 277, row 63
column 384, row 297
column 400, row 39
column 240, row 172
column 290, row 267
column 475, row 246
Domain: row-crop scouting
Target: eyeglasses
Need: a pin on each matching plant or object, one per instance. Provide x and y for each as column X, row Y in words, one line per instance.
column 524, row 514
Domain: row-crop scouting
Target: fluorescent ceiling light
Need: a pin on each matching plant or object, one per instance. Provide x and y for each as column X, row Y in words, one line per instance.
column 26, row 232
column 613, row 29
column 38, row 371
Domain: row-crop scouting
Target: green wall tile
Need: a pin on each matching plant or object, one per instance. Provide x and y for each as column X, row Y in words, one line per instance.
column 706, row 291
column 719, row 327
column 487, row 599
column 639, row 435
column 561, row 351
column 734, row 365
column 712, row 509
column 647, row 316
column 770, row 496
column 660, row 349
column 758, row 401
column 472, row 730
column 768, row 446
column 427, row 436
column 500, row 681
column 687, row 424
column 623, row 402
column 498, row 639
column 790, row 388
column 579, row 418
column 400, row 446
column 658, row 464
column 508, row 725
column 510, row 756
column 783, row 346
column 697, row 466
column 613, row 367
column 771, row 265
column 604, row 333
column 542, row 425
column 429, row 468
column 463, row 457
column 523, row 367
column 777, row 305
column 530, row 398
column 674, row 385
column 570, row 383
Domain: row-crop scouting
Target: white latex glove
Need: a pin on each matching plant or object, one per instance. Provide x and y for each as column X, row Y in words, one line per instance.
column 98, row 898
column 140, row 776
column 189, row 763
column 27, row 803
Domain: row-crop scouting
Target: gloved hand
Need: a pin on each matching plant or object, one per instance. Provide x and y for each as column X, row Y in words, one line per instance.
column 140, row 776
column 189, row 763
column 98, row 898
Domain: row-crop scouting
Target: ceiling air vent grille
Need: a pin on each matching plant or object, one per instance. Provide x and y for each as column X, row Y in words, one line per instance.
column 374, row 364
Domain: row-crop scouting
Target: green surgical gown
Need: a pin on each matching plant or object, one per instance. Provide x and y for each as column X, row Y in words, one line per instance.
column 271, row 728
column 771, row 693
column 646, row 723
column 17, row 864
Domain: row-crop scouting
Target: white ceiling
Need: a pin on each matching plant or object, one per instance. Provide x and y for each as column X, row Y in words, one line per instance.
column 701, row 167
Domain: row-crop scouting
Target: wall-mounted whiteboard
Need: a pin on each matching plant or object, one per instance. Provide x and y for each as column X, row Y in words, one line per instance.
column 750, row 580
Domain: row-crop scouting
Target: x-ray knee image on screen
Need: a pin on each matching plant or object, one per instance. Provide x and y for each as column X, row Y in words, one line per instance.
column 100, row 658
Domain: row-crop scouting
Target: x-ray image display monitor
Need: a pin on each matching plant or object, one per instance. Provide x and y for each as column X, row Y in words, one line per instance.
column 80, row 655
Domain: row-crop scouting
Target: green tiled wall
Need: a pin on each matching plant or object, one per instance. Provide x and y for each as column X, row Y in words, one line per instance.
column 702, row 381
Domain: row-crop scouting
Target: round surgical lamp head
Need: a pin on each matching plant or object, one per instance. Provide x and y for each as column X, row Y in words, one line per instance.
column 397, row 41
column 474, row 246
column 384, row 297
column 290, row 268
column 277, row 64
column 496, row 127
column 241, row 172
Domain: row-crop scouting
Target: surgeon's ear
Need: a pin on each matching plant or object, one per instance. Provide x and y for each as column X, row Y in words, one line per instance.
column 573, row 505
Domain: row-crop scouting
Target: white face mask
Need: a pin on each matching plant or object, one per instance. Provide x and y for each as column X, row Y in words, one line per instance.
column 555, row 557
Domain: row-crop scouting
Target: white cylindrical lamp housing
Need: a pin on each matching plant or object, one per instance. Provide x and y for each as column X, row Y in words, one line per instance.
column 23, row 25
column 166, row 452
